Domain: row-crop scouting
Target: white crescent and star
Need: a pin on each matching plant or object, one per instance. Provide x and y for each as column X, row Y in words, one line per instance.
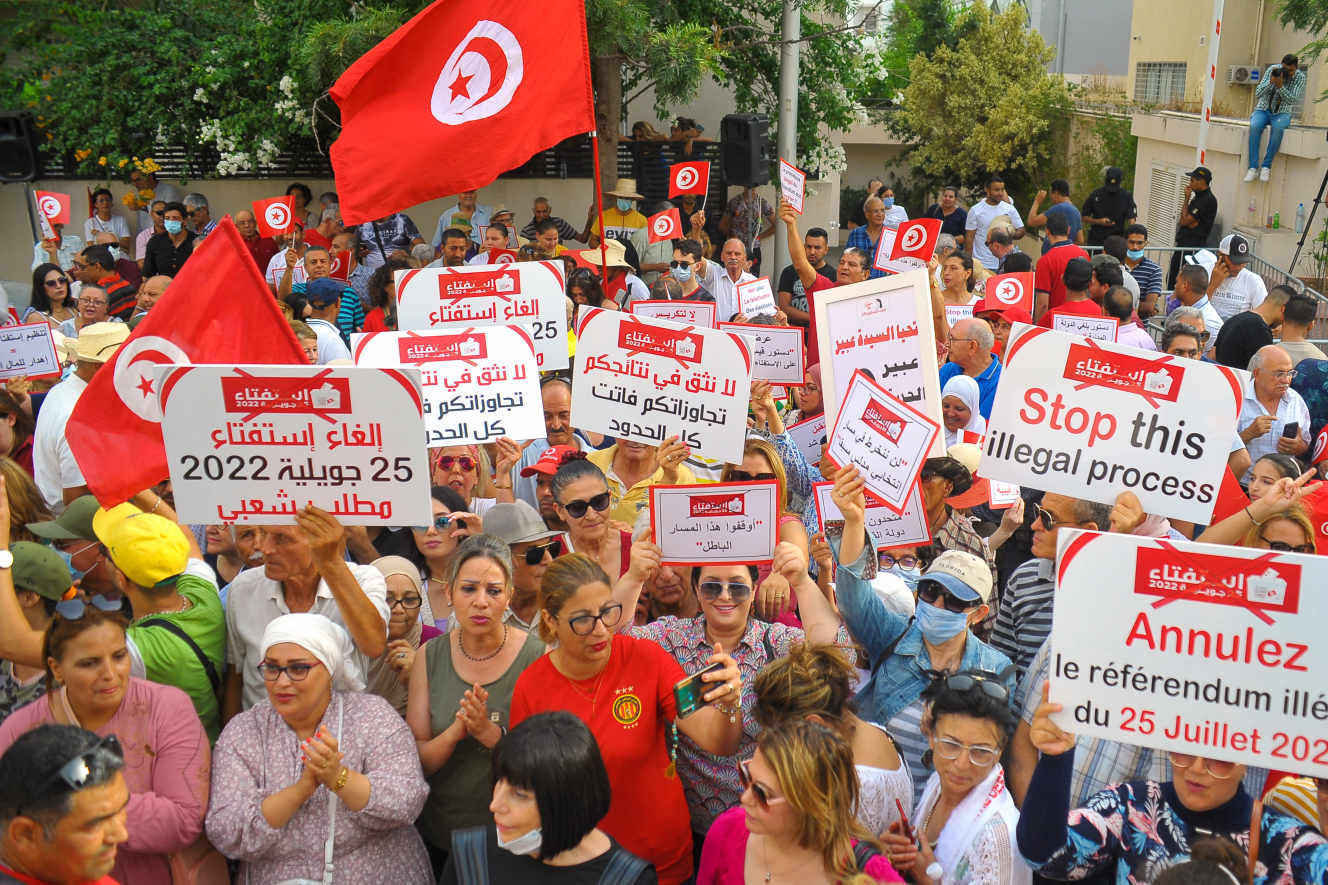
column 686, row 177
column 914, row 237
column 480, row 76
column 134, row 379
column 1010, row 292
column 277, row 215
column 50, row 206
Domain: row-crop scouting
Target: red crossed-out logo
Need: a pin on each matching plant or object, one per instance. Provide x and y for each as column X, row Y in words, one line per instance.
column 256, row 394
column 1153, row 379
column 1260, row 585
column 679, row 344
column 479, row 283
column 717, row 505
column 468, row 346
column 883, row 421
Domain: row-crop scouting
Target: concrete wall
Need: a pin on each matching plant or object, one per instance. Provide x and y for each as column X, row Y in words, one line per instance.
column 1097, row 35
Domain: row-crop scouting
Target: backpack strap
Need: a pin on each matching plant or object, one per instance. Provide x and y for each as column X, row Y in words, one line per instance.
column 623, row 869
column 863, row 852
column 472, row 856
column 213, row 677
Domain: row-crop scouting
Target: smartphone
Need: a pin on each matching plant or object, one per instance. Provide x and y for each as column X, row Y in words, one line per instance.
column 903, row 819
column 1290, row 430
column 687, row 693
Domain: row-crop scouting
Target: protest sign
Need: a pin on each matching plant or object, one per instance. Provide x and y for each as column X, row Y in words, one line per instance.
column 1010, row 290
column 28, row 350
column 1002, row 495
column 910, row 245
column 956, row 312
column 664, row 225
column 478, row 384
column 689, row 178
column 1195, row 648
column 54, row 206
column 529, row 293
column 716, row 523
column 689, row 313
column 257, row 444
column 755, row 297
column 884, row 327
column 778, row 353
column 1091, row 419
column 1097, row 328
column 886, row 528
column 809, row 435
column 792, row 184
column 646, row 380
column 884, row 437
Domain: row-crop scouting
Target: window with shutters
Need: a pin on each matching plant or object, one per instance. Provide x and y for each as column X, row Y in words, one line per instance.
column 1166, row 186
column 1159, row 82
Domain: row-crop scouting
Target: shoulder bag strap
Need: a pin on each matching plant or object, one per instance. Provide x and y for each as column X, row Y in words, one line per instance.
column 623, row 868
column 330, row 845
column 213, row 677
column 863, row 853
column 890, row 649
column 470, row 855
column 1256, row 825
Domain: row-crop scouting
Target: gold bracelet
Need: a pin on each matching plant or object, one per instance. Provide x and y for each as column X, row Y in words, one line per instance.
column 155, row 506
column 341, row 779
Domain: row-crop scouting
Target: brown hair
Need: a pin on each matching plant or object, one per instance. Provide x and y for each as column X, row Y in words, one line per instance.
column 561, row 581
column 810, row 679
column 62, row 631
column 765, row 450
column 23, row 423
column 25, row 502
column 1294, row 514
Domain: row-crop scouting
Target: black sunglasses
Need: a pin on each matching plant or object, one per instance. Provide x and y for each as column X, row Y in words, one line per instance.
column 74, row 609
column 712, row 590
column 442, row 521
column 535, row 555
column 77, row 772
column 990, row 684
column 1284, row 547
column 932, row 592
column 577, row 509
column 744, row 476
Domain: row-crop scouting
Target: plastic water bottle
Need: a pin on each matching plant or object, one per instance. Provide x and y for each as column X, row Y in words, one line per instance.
column 1300, row 218
column 1254, row 211
column 1277, row 220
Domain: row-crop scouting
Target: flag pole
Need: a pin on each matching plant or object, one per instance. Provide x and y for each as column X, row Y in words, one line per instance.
column 599, row 208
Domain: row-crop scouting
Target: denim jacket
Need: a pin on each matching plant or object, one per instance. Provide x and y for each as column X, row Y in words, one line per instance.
column 901, row 678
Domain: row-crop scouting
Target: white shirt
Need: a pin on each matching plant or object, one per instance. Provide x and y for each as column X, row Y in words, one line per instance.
column 1212, row 321
column 70, row 245
column 979, row 219
column 276, row 269
column 726, row 294
column 116, row 225
column 330, row 345
column 1245, row 291
column 895, row 216
column 253, row 600
column 1290, row 408
column 53, row 464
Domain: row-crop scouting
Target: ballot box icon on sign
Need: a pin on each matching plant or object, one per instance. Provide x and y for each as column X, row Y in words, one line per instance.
column 1159, row 382
column 505, row 283
column 1268, row 588
column 469, row 347
column 684, row 347
column 325, row 397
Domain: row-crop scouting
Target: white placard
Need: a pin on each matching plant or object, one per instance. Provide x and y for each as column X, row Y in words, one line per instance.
column 689, row 313
column 1090, row 419
column 28, row 350
column 886, row 528
column 778, row 353
column 1097, row 328
column 809, row 435
column 257, row 444
column 646, row 380
column 715, row 523
column 1001, row 495
column 479, row 384
column 792, row 184
column 956, row 312
column 1196, row 648
column 530, row 293
column 755, row 298
column 883, row 326
column 884, row 437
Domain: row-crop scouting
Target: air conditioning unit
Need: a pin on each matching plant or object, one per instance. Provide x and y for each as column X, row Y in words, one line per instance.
column 1243, row 75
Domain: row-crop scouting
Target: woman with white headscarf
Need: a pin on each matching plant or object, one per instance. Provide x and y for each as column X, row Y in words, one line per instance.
column 959, row 409
column 321, row 783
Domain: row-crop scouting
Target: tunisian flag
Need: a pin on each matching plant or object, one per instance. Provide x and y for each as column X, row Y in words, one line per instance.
column 217, row 310
column 461, row 93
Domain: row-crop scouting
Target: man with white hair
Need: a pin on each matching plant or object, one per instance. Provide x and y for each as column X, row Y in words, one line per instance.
column 733, row 256
column 329, row 225
column 199, row 214
column 1273, row 417
column 971, row 341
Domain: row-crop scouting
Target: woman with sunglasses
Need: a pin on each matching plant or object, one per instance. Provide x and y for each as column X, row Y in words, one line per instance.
column 962, row 829
column 165, row 747
column 1134, row 831
column 389, row 673
column 434, row 546
column 726, row 594
column 461, row 691
column 50, row 301
column 319, row 760
column 1277, row 520
column 796, row 821
column 906, row 653
column 458, row 468
column 581, row 499
column 622, row 688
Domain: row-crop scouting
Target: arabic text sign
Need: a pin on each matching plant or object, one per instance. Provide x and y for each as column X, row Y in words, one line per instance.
column 689, row 313
column 1196, row 648
column 809, row 435
column 755, row 297
column 886, row 439
column 646, row 380
column 1097, row 328
column 478, row 384
column 886, row 528
column 528, row 293
column 28, row 350
column 715, row 523
column 1002, row 495
column 257, row 444
column 778, row 354
column 792, row 184
column 1092, row 419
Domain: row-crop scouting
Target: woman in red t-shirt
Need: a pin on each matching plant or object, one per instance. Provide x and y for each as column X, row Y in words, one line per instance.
column 622, row 688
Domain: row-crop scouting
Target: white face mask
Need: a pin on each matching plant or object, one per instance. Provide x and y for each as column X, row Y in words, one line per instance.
column 527, row 843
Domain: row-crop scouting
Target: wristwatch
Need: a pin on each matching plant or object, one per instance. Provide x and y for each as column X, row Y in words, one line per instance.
column 6, row 559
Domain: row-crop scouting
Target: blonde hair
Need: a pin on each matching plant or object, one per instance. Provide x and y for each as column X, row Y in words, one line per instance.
column 809, row 680
column 1294, row 514
column 25, row 502
column 767, row 451
column 814, row 767
column 561, row 581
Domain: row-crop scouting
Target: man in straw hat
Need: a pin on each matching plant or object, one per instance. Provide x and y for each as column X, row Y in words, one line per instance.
column 58, row 475
column 621, row 220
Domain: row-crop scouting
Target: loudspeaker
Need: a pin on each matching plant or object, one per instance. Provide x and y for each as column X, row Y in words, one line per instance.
column 18, row 148
column 746, row 149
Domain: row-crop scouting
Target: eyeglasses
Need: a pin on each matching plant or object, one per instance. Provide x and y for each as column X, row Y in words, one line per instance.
column 712, row 590
column 296, row 672
column 953, row 339
column 535, row 555
column 762, row 795
column 159, row 214
column 609, row 616
column 407, row 603
column 577, row 509
column 906, row 561
column 979, row 754
column 680, row 264
column 1048, row 518
column 744, row 476
column 465, row 462
column 930, row 591
column 442, row 521
column 74, row 609
column 1289, row 375
column 56, row 283
column 76, row 773
column 1284, row 547
column 1219, row 770
column 95, row 302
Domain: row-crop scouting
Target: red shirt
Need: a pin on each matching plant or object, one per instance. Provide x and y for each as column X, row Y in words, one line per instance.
column 375, row 321
column 261, row 249
column 1049, row 275
column 104, row 880
column 1086, row 308
column 813, row 346
column 631, row 707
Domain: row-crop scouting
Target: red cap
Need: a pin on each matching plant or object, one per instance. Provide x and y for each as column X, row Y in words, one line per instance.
column 1013, row 314
column 549, row 461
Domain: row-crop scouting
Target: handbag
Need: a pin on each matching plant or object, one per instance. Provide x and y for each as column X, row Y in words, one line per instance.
column 199, row 864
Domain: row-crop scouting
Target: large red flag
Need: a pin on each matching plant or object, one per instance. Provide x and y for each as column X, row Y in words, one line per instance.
column 461, row 93
column 217, row 310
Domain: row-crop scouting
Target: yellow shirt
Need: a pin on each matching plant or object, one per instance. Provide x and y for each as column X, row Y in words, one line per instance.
column 621, row 225
column 626, row 504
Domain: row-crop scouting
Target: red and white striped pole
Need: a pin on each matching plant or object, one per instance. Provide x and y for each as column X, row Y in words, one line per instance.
column 1210, row 83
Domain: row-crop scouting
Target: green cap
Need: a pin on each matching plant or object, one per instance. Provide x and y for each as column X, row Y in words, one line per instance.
column 40, row 569
column 75, row 522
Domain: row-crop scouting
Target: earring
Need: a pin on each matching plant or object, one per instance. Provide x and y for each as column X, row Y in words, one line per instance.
column 928, row 758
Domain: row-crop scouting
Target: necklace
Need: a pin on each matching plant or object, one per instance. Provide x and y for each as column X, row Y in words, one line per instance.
column 593, row 694
column 770, row 874
column 461, row 644
column 926, row 824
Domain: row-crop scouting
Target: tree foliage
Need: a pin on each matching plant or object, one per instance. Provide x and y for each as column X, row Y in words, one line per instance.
column 916, row 27
column 1311, row 16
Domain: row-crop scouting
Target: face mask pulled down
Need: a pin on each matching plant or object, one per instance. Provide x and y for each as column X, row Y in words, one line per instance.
column 526, row 843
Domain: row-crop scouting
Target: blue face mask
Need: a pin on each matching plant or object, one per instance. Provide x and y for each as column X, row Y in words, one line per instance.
column 172, row 226
column 889, row 202
column 909, row 576
column 76, row 574
column 624, row 205
column 1134, row 254
column 938, row 624
column 681, row 274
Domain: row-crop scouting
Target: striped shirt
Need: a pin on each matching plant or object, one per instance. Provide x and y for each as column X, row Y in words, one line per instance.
column 1148, row 275
column 906, row 729
column 1296, row 797
column 565, row 230
column 1282, row 99
column 1024, row 621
